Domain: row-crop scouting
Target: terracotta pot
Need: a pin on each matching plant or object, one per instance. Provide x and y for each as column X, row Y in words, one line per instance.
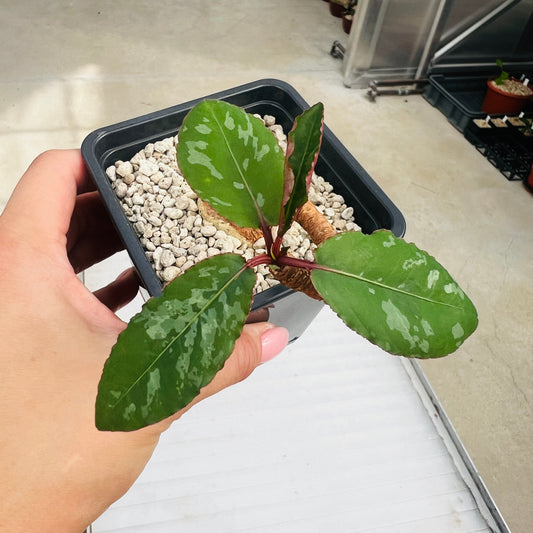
column 498, row 102
column 529, row 181
column 347, row 23
column 337, row 10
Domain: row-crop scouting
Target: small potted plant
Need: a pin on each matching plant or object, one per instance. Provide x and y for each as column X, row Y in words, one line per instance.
column 388, row 290
column 505, row 94
column 347, row 16
column 338, row 7
column 526, row 134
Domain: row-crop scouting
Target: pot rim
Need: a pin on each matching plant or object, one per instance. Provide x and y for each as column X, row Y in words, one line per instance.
column 496, row 89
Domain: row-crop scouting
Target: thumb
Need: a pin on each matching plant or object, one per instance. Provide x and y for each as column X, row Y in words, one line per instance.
column 257, row 344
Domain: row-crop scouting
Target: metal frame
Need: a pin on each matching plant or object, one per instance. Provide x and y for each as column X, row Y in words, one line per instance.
column 457, row 451
column 364, row 38
column 361, row 52
column 456, row 41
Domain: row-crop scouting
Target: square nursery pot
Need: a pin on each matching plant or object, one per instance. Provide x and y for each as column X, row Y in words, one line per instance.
column 372, row 208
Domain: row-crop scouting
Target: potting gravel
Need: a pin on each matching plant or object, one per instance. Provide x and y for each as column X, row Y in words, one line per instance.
column 514, row 87
column 163, row 210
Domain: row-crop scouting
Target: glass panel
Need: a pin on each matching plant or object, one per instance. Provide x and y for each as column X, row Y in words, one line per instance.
column 396, row 39
column 508, row 37
column 390, row 39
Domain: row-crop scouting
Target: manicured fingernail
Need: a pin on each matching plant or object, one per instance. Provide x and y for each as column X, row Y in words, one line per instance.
column 124, row 275
column 273, row 340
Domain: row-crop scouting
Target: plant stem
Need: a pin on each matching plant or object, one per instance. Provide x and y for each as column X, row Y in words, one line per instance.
column 276, row 248
column 263, row 259
column 285, row 260
column 282, row 260
column 267, row 234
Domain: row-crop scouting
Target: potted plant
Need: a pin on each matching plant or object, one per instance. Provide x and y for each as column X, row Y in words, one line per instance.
column 505, row 94
column 388, row 290
column 338, row 7
column 347, row 16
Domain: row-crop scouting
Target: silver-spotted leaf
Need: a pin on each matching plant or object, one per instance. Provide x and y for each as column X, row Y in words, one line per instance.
column 303, row 146
column 233, row 162
column 175, row 345
column 394, row 294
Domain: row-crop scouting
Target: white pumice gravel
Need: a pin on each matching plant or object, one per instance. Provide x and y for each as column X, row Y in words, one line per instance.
column 163, row 211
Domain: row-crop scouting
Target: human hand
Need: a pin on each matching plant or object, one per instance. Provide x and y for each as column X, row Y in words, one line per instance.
column 59, row 473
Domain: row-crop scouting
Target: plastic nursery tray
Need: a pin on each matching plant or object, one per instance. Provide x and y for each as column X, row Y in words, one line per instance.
column 507, row 148
column 372, row 208
column 459, row 97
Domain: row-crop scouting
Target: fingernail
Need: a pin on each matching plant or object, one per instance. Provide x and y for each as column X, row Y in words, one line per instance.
column 124, row 275
column 273, row 341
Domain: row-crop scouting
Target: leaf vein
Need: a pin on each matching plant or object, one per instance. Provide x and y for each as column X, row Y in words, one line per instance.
column 180, row 334
column 387, row 287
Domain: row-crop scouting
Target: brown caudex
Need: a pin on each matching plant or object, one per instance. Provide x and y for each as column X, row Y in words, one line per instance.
column 308, row 216
column 319, row 229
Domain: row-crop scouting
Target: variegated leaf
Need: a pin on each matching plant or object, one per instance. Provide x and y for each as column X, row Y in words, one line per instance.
column 233, row 162
column 175, row 345
column 394, row 294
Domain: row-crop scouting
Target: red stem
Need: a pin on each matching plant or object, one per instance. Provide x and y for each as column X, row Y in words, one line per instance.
column 263, row 259
column 276, row 248
column 267, row 234
column 285, row 260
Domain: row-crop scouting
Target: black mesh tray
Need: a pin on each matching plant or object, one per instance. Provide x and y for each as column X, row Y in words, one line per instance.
column 507, row 149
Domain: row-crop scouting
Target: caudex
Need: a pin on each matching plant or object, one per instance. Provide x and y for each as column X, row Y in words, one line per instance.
column 388, row 290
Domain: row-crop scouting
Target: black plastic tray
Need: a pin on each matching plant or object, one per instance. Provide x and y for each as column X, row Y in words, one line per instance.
column 506, row 148
column 459, row 97
column 372, row 208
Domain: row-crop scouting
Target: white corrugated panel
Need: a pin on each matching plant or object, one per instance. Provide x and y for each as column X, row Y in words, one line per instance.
column 331, row 436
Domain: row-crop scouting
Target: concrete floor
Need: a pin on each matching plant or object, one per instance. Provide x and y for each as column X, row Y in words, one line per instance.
column 69, row 67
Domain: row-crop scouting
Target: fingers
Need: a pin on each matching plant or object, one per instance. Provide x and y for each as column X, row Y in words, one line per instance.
column 45, row 196
column 120, row 292
column 259, row 315
column 257, row 344
column 56, row 197
column 91, row 237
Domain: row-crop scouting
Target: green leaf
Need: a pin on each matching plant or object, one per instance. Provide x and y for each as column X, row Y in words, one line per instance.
column 503, row 75
column 303, row 146
column 233, row 162
column 394, row 294
column 175, row 345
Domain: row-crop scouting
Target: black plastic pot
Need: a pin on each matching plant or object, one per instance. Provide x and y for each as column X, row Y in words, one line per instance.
column 372, row 208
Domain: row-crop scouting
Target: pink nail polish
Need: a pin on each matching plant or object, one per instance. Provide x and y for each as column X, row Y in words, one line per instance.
column 273, row 341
